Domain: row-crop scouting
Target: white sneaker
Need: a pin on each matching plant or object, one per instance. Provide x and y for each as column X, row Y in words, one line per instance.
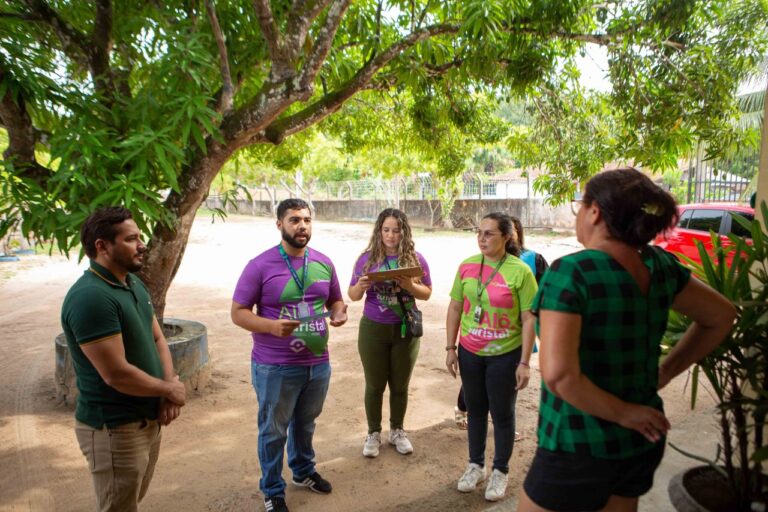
column 372, row 443
column 473, row 475
column 496, row 487
column 398, row 438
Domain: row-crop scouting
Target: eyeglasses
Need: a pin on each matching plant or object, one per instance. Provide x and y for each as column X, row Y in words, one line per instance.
column 485, row 235
column 576, row 205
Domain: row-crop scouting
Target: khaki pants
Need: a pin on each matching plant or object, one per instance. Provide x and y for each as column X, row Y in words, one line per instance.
column 121, row 460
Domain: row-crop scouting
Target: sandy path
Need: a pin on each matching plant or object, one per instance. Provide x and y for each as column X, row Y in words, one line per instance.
column 208, row 458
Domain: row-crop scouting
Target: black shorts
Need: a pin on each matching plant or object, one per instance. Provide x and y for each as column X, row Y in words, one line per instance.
column 564, row 481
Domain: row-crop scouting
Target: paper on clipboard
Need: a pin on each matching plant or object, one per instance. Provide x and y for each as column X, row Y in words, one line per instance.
column 316, row 316
column 384, row 275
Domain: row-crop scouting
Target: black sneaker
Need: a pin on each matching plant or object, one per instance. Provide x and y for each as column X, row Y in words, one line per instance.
column 315, row 482
column 275, row 504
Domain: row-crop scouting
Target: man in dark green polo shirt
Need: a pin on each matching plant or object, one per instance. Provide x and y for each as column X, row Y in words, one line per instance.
column 127, row 386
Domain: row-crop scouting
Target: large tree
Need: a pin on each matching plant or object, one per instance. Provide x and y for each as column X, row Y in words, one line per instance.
column 142, row 102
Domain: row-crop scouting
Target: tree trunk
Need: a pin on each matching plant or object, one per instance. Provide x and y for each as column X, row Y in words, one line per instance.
column 168, row 243
column 762, row 169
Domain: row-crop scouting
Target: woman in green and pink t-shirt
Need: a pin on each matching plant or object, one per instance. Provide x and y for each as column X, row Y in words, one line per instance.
column 388, row 354
column 490, row 315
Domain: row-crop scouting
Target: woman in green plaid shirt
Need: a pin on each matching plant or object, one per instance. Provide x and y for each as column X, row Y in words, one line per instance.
column 601, row 315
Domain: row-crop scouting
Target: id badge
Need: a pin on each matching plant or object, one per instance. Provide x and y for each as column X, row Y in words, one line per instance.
column 303, row 308
column 478, row 314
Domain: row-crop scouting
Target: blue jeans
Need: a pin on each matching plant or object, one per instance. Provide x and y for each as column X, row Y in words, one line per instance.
column 290, row 399
column 489, row 385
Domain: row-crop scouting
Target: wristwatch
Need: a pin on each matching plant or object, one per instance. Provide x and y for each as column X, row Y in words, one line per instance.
column 452, row 347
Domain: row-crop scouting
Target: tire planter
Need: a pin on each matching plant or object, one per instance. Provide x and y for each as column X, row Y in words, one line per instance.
column 187, row 341
column 701, row 489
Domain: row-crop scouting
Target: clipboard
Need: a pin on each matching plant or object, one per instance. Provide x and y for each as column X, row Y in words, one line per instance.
column 316, row 316
column 385, row 275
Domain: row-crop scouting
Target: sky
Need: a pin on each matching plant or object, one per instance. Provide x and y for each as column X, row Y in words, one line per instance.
column 594, row 68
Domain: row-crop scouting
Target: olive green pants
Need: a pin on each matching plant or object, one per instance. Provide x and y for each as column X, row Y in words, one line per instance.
column 387, row 359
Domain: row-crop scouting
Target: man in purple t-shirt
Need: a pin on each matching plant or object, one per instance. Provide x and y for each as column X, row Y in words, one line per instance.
column 291, row 286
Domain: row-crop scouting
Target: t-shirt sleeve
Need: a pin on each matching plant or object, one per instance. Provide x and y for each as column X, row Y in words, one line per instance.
column 357, row 271
column 334, row 289
column 675, row 270
column 561, row 288
column 527, row 291
column 248, row 288
column 457, row 290
column 97, row 316
column 426, row 278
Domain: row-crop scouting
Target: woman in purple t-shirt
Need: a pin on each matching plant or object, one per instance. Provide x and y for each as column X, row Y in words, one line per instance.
column 387, row 353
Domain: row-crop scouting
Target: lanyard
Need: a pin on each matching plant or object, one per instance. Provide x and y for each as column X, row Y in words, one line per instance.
column 386, row 262
column 299, row 284
column 482, row 286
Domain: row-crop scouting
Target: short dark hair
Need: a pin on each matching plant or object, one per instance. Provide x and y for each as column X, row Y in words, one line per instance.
column 101, row 225
column 505, row 226
column 293, row 203
column 633, row 207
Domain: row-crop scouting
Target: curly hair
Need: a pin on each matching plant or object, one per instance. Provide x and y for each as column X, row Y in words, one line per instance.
column 406, row 254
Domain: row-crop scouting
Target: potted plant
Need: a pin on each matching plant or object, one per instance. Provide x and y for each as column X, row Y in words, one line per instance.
column 736, row 372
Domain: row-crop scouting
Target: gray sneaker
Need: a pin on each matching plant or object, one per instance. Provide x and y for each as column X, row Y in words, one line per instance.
column 473, row 475
column 398, row 438
column 497, row 486
column 372, row 443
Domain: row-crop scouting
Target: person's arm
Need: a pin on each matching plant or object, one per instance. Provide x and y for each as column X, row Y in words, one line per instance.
column 168, row 410
column 523, row 372
column 712, row 318
column 452, row 325
column 561, row 371
column 162, row 349
column 108, row 357
column 244, row 317
column 357, row 290
column 415, row 287
column 338, row 313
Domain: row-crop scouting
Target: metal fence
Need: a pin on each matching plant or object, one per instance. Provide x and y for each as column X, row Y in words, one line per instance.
column 364, row 199
column 720, row 180
column 398, row 189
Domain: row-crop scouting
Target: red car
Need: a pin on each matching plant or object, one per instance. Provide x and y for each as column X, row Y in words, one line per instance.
column 696, row 220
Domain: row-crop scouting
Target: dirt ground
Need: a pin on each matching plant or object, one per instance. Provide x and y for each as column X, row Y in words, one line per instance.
column 208, row 457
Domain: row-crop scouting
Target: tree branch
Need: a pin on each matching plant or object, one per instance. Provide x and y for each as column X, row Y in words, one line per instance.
column 322, row 46
column 330, row 103
column 227, row 90
column 102, row 47
column 22, row 135
column 423, row 14
column 303, row 13
column 315, row 8
column 19, row 16
column 73, row 42
column 433, row 71
column 271, row 34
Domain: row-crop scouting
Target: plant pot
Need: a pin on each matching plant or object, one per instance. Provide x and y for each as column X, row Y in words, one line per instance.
column 701, row 489
column 187, row 341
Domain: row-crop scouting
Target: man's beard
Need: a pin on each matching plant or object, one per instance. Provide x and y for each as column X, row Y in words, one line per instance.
column 292, row 240
column 129, row 264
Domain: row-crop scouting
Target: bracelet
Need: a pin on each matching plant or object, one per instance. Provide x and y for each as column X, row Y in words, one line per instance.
column 523, row 363
column 452, row 347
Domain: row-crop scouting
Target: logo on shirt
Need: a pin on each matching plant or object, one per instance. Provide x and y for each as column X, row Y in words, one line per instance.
column 297, row 345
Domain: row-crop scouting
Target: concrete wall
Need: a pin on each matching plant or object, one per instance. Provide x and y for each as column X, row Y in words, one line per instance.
column 466, row 212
